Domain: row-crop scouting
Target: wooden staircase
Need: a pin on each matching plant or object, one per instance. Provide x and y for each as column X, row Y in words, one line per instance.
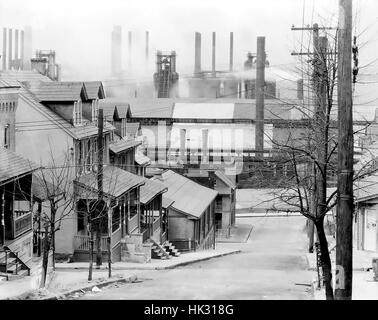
column 171, row 249
column 11, row 266
column 158, row 251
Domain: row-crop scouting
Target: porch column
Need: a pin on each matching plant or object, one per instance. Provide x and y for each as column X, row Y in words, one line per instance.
column 124, row 220
column 161, row 219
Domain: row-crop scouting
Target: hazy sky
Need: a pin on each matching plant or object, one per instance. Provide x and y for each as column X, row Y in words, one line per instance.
column 79, row 30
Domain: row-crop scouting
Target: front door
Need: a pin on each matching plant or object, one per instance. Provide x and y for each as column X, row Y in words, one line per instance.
column 370, row 239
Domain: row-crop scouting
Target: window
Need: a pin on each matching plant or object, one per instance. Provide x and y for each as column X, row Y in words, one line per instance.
column 77, row 113
column 95, row 110
column 6, row 136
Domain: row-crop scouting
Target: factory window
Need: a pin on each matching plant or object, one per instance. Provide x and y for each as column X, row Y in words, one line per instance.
column 6, row 136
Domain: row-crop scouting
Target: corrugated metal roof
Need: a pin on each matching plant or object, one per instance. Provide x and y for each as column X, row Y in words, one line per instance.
column 115, row 181
column 141, row 159
column 12, row 165
column 189, row 197
column 151, row 108
column 94, row 90
column 60, row 91
column 225, row 179
column 122, row 145
column 150, row 190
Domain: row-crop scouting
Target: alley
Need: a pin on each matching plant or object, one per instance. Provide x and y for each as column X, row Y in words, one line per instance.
column 272, row 265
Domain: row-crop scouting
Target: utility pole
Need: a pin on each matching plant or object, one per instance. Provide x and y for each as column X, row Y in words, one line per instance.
column 100, row 206
column 260, row 97
column 344, row 213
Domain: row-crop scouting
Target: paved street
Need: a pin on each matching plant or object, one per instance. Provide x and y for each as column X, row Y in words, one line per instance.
column 271, row 266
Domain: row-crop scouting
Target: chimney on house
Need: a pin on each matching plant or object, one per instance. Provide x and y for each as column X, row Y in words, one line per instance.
column 116, row 63
column 182, row 145
column 10, row 49
column 260, row 85
column 4, row 57
column 197, row 53
column 231, row 51
column 213, row 54
column 205, row 146
column 26, row 48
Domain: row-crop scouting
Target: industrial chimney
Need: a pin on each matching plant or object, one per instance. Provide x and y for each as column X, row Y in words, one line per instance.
column 4, row 57
column 213, row 55
column 231, row 51
column 26, row 48
column 260, row 84
column 130, row 51
column 197, row 53
column 116, row 62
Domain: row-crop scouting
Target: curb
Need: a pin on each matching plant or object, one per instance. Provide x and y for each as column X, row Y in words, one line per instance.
column 156, row 268
column 90, row 287
column 198, row 260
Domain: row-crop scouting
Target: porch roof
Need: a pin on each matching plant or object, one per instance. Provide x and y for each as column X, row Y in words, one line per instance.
column 12, row 165
column 116, row 181
column 123, row 145
column 150, row 190
column 141, row 159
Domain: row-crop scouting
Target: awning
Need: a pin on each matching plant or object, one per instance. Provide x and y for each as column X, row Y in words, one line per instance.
column 123, row 145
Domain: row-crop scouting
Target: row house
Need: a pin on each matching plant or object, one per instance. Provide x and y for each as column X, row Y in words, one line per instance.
column 16, row 175
column 191, row 219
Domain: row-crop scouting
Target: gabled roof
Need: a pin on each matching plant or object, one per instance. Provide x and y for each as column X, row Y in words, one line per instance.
column 225, row 179
column 150, row 190
column 151, row 108
column 95, row 90
column 59, row 91
column 12, row 165
column 115, row 181
column 114, row 108
column 123, row 145
column 189, row 197
column 132, row 128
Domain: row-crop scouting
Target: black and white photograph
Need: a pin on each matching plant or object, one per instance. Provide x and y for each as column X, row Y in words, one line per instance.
column 202, row 151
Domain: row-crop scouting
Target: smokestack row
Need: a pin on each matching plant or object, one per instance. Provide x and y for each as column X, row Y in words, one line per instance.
column 197, row 53
column 20, row 57
column 116, row 50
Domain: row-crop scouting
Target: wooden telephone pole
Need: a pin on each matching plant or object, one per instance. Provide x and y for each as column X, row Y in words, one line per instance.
column 344, row 213
column 100, row 206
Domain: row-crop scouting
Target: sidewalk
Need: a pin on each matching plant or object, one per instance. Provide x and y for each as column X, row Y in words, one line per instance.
column 239, row 234
column 364, row 287
column 157, row 264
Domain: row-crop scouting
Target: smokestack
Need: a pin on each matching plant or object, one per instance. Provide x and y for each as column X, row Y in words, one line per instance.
column 147, row 48
column 205, row 147
column 182, row 145
column 197, row 53
column 15, row 60
column 116, row 63
column 4, row 57
column 260, row 84
column 231, row 50
column 27, row 48
column 51, row 66
column 213, row 58
column 21, row 60
column 10, row 49
column 130, row 50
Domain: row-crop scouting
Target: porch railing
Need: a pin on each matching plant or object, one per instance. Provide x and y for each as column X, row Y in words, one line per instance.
column 133, row 223
column 156, row 224
column 145, row 235
column 82, row 242
column 116, row 237
column 164, row 237
column 22, row 222
column 208, row 242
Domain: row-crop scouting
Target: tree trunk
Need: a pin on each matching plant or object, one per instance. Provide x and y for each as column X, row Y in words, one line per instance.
column 98, row 246
column 325, row 258
column 52, row 231
column 45, row 258
column 91, row 231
